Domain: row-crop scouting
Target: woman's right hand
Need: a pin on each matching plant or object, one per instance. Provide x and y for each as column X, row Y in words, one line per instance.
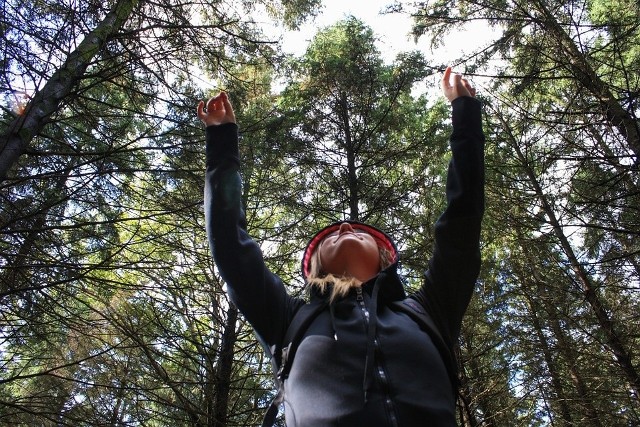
column 218, row 111
column 454, row 86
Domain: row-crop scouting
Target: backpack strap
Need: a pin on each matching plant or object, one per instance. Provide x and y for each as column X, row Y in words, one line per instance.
column 419, row 315
column 282, row 360
column 292, row 338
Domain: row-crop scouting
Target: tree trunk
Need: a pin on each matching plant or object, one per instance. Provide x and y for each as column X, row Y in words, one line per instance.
column 620, row 119
column 615, row 342
column 349, row 146
column 561, row 398
column 223, row 371
column 15, row 277
column 45, row 102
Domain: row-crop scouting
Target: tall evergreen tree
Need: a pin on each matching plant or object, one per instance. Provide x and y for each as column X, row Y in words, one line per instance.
column 565, row 167
column 361, row 144
column 111, row 310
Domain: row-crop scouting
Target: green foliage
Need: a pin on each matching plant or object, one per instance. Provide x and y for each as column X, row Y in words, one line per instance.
column 562, row 189
column 112, row 311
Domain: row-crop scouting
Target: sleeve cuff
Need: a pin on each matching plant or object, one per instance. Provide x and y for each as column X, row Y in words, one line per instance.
column 221, row 141
column 466, row 114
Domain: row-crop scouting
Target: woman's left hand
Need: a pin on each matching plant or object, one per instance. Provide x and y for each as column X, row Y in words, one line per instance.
column 219, row 111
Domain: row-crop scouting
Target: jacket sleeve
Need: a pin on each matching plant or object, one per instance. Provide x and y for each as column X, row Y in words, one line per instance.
column 259, row 294
column 455, row 263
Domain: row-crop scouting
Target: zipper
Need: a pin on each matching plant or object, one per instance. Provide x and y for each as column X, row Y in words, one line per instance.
column 388, row 403
column 378, row 369
column 363, row 307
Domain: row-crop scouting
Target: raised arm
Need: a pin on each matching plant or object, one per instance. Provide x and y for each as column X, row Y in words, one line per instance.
column 455, row 263
column 258, row 293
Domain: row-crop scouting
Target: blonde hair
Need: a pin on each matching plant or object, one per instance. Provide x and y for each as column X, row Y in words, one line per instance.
column 340, row 285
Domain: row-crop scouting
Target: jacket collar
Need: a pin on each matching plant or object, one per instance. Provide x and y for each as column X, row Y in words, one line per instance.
column 391, row 286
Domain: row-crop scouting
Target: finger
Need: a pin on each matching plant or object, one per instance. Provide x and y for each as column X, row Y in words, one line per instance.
column 469, row 87
column 226, row 103
column 214, row 103
column 446, row 82
column 465, row 84
column 200, row 109
column 457, row 80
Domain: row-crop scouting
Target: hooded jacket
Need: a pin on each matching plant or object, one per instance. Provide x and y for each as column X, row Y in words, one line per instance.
column 360, row 363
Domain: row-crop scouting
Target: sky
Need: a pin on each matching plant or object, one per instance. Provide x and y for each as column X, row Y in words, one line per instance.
column 392, row 31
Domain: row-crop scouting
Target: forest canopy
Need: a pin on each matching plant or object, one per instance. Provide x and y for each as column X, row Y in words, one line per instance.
column 112, row 311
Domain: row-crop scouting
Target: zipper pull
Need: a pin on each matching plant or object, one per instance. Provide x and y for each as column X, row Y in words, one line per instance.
column 361, row 303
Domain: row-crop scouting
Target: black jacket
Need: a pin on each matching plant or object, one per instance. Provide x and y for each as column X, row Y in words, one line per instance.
column 405, row 382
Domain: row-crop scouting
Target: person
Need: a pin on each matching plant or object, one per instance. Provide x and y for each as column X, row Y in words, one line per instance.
column 361, row 362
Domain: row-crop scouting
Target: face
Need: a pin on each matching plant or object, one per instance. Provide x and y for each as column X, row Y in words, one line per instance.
column 350, row 252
